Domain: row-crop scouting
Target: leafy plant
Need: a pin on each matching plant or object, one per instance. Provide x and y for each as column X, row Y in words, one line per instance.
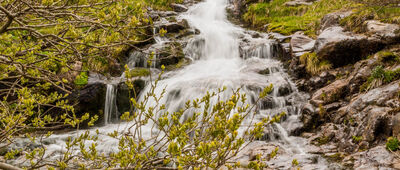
column 392, row 144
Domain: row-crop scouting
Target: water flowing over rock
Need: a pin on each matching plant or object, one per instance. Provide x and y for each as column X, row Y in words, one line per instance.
column 216, row 62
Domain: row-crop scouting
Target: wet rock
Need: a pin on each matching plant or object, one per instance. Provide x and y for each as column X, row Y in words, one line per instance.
column 321, row 80
column 284, row 90
column 90, row 99
column 125, row 94
column 342, row 48
column 333, row 19
column 334, row 106
column 330, row 93
column 171, row 54
column 175, row 27
column 178, row 7
column 301, row 44
column 166, row 13
column 396, row 125
column 267, row 103
column 309, row 117
column 387, row 32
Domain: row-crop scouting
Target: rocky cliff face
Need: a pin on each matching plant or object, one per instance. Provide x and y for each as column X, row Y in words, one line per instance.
column 354, row 106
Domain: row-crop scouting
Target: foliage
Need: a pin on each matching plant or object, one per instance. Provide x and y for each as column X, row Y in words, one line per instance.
column 295, row 162
column 313, row 63
column 371, row 10
column 199, row 135
column 81, row 79
column 392, row 144
column 380, row 77
column 287, row 20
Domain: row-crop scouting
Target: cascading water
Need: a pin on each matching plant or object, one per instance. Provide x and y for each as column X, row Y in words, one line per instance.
column 218, row 61
column 110, row 104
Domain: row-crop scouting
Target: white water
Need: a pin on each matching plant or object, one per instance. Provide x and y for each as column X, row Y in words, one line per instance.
column 217, row 63
column 110, row 104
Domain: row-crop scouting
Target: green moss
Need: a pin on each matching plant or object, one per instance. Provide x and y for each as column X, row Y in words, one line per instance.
column 387, row 56
column 392, row 144
column 81, row 79
column 139, row 72
column 287, row 20
column 355, row 22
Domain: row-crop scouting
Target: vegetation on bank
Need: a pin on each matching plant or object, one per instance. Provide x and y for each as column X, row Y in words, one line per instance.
column 47, row 49
column 275, row 16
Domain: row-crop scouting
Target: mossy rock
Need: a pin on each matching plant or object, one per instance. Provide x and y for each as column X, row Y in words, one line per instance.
column 139, row 72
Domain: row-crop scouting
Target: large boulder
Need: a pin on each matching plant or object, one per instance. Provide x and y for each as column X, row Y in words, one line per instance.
column 342, row 48
column 301, row 44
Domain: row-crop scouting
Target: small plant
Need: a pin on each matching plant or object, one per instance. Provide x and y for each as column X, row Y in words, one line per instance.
column 273, row 153
column 357, row 139
column 392, row 144
column 379, row 77
column 295, row 163
column 313, row 63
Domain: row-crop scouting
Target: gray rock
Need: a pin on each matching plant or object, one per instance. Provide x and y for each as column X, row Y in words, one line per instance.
column 301, row 43
column 333, row 19
column 387, row 32
column 343, row 48
column 179, row 7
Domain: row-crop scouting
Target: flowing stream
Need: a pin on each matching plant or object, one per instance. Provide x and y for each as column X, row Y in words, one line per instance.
column 225, row 55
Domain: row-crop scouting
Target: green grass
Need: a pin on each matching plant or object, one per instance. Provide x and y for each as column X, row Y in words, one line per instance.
column 313, row 63
column 287, row 20
column 386, row 14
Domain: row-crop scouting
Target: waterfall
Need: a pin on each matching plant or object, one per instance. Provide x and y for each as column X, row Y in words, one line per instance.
column 110, row 104
column 224, row 55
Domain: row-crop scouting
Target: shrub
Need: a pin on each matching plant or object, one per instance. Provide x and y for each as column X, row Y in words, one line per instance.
column 379, row 77
column 392, row 144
